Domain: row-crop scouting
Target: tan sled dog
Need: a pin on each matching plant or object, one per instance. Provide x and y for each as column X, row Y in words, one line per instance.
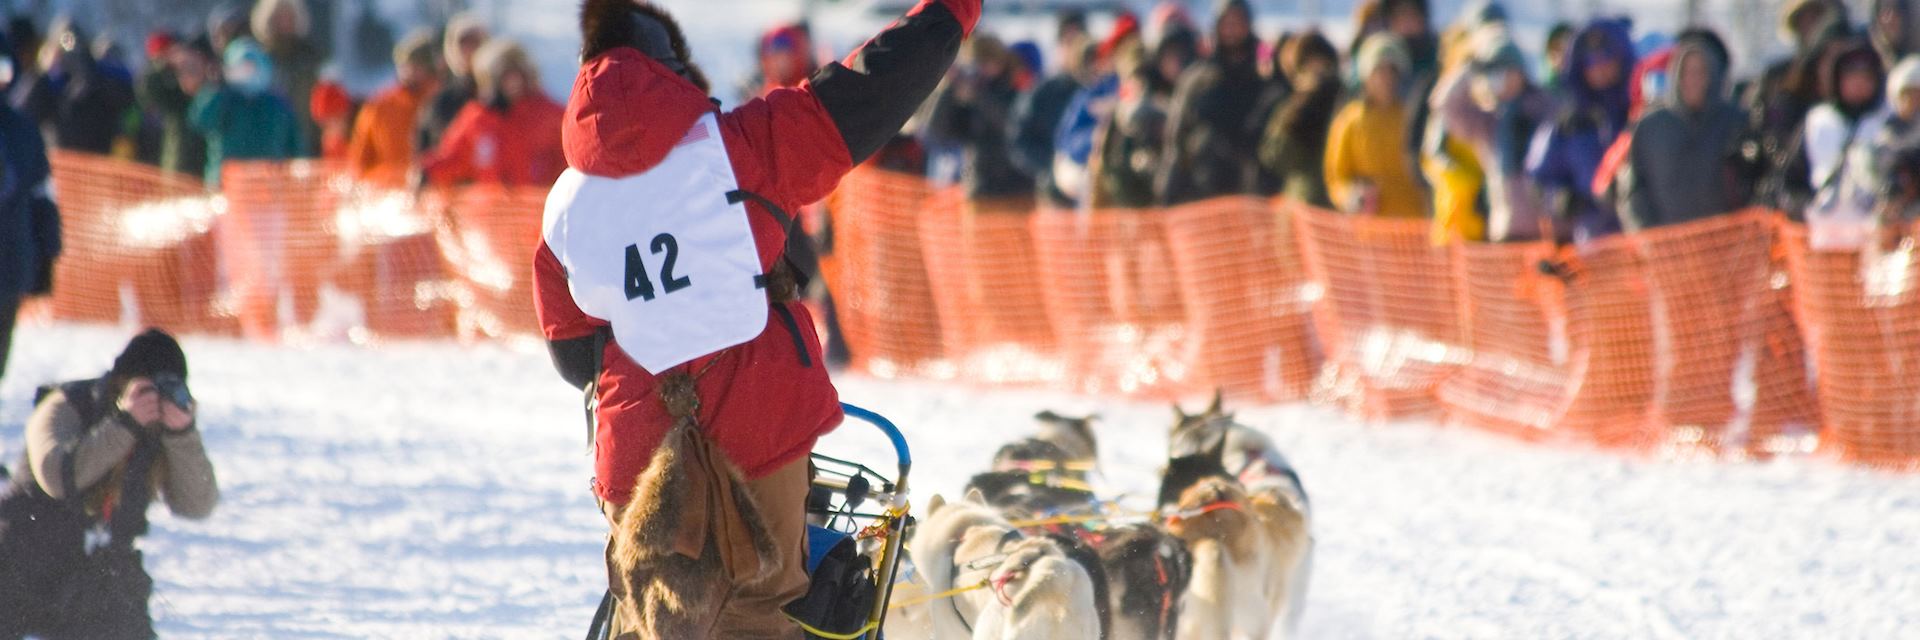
column 1033, row 590
column 1244, row 516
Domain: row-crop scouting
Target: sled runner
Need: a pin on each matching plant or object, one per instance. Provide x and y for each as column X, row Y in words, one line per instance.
column 857, row 520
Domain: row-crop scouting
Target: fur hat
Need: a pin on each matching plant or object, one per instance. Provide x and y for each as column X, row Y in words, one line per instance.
column 1905, row 75
column 458, row 27
column 414, row 48
column 609, row 24
column 152, row 352
column 495, row 60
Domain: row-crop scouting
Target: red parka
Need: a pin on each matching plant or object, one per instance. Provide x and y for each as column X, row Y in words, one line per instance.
column 518, row 146
column 764, row 402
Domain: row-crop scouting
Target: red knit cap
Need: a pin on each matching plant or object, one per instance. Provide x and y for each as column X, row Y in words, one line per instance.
column 1125, row 26
column 330, row 100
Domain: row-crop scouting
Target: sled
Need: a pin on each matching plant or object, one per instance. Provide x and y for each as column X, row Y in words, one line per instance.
column 857, row 520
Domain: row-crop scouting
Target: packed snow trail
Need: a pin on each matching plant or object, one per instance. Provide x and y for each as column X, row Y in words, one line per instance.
column 427, row 490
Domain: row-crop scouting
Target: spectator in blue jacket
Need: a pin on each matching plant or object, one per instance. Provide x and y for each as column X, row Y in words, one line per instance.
column 1568, row 148
column 29, row 223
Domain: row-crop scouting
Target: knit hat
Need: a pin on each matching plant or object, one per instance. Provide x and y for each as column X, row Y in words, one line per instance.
column 248, row 68
column 1379, row 49
column 150, row 353
column 1905, row 75
column 1125, row 26
column 1495, row 53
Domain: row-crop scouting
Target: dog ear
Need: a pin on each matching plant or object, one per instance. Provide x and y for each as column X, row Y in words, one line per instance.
column 975, row 496
column 935, row 503
column 1216, row 408
column 1047, row 416
column 1180, row 417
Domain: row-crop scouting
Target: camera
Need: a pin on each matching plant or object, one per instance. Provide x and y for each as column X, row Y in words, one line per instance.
column 173, row 389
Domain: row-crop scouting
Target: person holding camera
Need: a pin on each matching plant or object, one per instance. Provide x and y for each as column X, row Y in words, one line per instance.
column 98, row 452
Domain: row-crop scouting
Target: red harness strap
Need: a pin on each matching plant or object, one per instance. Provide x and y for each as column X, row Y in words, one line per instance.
column 1166, row 595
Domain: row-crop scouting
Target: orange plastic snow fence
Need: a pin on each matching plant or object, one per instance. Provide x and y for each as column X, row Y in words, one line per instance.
column 1860, row 311
column 290, row 249
column 1707, row 336
column 1388, row 318
column 137, row 243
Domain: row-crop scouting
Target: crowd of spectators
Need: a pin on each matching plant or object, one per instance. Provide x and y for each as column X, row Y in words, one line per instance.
column 463, row 106
column 1457, row 124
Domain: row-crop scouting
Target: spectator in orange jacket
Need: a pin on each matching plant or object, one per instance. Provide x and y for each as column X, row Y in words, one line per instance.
column 382, row 148
column 509, row 134
column 332, row 109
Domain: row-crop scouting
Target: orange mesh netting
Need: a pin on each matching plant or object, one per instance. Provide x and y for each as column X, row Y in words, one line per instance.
column 1247, row 298
column 1112, row 298
column 489, row 237
column 981, row 267
column 878, row 275
column 289, row 248
column 1680, row 338
column 1514, row 378
column 138, row 243
column 1388, row 317
column 1862, row 318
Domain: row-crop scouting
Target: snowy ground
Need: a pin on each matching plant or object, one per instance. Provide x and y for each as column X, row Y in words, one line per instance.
column 434, row 490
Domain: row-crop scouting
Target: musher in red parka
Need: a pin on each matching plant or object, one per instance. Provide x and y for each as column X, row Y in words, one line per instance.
column 639, row 117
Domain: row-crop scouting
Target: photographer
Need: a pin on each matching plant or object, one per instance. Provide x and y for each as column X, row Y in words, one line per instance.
column 98, row 452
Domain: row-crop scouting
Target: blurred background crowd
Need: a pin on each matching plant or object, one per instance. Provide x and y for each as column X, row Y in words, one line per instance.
column 1445, row 118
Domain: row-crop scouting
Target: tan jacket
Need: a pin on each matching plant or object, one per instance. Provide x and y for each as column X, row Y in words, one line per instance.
column 184, row 475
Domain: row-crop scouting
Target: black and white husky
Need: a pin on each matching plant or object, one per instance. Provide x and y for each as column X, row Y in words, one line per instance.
column 1046, row 474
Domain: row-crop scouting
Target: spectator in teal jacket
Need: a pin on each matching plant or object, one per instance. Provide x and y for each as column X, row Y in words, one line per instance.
column 242, row 118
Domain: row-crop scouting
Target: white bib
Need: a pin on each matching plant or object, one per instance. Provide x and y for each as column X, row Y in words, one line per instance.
column 661, row 255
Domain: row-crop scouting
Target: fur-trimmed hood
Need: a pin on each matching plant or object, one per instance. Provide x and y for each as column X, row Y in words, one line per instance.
column 607, row 24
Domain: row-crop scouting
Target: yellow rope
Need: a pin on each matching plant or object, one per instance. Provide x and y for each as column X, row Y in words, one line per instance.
column 1085, row 518
column 1045, row 465
column 938, row 596
column 829, row 635
column 1157, row 516
column 897, row 605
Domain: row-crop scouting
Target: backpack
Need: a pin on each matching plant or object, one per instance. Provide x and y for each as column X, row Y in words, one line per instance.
column 843, row 585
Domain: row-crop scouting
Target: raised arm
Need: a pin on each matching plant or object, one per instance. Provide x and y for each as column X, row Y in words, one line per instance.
column 807, row 137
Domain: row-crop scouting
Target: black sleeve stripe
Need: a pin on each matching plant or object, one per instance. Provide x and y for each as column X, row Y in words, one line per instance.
column 890, row 76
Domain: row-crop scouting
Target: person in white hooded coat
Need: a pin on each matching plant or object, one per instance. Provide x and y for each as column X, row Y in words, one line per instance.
column 1837, row 144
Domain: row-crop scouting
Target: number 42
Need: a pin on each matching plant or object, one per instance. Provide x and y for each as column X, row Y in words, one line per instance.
column 638, row 284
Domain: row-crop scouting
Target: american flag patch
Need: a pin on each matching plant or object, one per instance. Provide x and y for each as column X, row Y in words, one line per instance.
column 698, row 134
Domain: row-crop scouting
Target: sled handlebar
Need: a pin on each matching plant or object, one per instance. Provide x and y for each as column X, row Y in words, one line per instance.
column 885, row 426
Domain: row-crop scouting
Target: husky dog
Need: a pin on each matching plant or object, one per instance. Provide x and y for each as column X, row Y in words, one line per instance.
column 1147, row 571
column 1074, row 435
column 1034, row 589
column 1244, row 515
column 1243, row 453
column 1045, row 474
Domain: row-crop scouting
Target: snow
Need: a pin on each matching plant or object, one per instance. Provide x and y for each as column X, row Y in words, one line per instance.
column 427, row 490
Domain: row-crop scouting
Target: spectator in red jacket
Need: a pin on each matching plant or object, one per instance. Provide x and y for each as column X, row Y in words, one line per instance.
column 640, row 115
column 332, row 109
column 786, row 57
column 509, row 134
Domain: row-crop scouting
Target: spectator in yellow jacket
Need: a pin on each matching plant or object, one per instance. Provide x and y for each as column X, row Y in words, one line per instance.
column 1368, row 168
